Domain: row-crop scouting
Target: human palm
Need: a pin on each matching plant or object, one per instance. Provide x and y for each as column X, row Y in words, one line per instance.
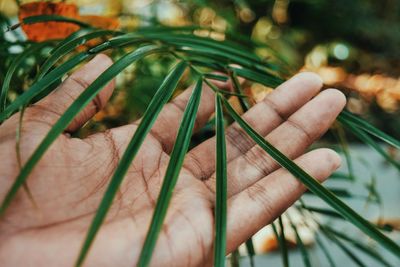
column 48, row 227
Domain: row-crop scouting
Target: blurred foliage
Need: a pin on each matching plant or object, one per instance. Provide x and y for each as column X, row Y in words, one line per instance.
column 353, row 45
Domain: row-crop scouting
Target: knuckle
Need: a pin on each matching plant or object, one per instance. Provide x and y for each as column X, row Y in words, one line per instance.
column 238, row 138
column 260, row 159
column 309, row 137
column 259, row 194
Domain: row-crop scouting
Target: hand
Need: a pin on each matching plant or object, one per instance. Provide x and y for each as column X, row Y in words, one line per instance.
column 69, row 181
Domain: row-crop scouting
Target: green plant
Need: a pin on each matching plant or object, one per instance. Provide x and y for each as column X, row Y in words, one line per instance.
column 201, row 56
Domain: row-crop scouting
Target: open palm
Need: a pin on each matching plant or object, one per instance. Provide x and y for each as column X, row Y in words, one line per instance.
column 67, row 185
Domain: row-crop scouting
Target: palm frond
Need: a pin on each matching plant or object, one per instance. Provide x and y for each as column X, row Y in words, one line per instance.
column 315, row 187
column 233, row 61
column 221, row 186
column 78, row 105
column 171, row 175
column 159, row 100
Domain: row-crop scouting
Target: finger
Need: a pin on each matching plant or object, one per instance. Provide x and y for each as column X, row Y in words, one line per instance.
column 292, row 138
column 167, row 124
column 263, row 117
column 53, row 106
column 262, row 202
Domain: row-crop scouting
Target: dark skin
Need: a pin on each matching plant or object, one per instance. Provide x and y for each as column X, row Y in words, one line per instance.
column 70, row 179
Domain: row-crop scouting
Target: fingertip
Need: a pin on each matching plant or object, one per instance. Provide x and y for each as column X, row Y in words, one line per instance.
column 332, row 158
column 101, row 60
column 92, row 69
column 328, row 161
column 337, row 95
column 300, row 88
column 100, row 63
column 309, row 78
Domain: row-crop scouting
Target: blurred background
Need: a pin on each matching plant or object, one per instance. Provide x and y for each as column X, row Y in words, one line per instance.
column 352, row 45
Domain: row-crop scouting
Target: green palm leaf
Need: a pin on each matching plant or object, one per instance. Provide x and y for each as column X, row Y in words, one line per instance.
column 171, row 175
column 161, row 97
column 221, row 186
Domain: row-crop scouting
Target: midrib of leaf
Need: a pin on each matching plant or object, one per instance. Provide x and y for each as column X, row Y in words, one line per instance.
column 84, row 98
column 315, row 187
column 161, row 97
column 221, row 186
column 171, row 175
